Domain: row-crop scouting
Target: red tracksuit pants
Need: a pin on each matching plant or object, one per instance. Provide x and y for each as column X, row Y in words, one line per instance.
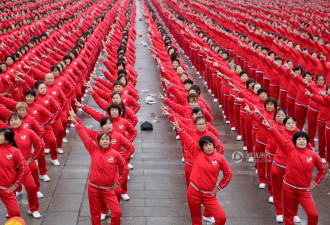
column 42, row 163
column 277, row 174
column 59, row 132
column 283, row 97
column 196, row 198
column 31, row 190
column 260, row 160
column 290, row 102
column 274, row 91
column 35, row 175
column 292, row 197
column 301, row 113
column 321, row 135
column 327, row 135
column 50, row 141
column 237, row 112
column 269, row 161
column 104, row 208
column 249, row 136
column 312, row 124
column 95, row 197
column 9, row 200
column 265, row 83
column 231, row 113
column 243, row 128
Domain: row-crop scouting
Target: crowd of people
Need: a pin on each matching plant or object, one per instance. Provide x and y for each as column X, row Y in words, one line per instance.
column 49, row 53
column 266, row 65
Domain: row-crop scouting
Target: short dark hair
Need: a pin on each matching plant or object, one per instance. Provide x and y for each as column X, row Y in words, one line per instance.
column 288, row 118
column 261, row 90
column 243, row 72
column 299, row 134
column 114, row 106
column 249, row 81
column 279, row 110
column 205, row 139
column 197, row 110
column 271, row 100
column 9, row 135
column 188, row 81
column 198, row 118
column 31, row 92
column 104, row 120
column 38, row 83
column 307, row 73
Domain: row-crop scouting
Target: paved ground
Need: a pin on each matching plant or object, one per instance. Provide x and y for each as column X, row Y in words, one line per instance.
column 157, row 188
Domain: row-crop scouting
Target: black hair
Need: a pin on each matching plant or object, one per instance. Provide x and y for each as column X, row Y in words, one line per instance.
column 121, row 63
column 318, row 76
column 299, row 134
column 38, row 83
column 307, row 73
column 197, row 110
column 55, row 67
column 123, row 107
column 249, row 81
column 242, row 73
column 261, row 90
column 297, row 68
column 288, row 118
column 104, row 120
column 9, row 135
column 205, row 140
column 122, row 72
column 188, row 81
column 114, row 106
column 31, row 92
column 278, row 110
column 270, row 100
column 67, row 57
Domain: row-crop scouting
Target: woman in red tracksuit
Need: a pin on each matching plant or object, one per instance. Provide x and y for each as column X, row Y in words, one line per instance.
column 108, row 171
column 51, row 105
column 203, row 179
column 46, row 119
column 13, row 171
column 25, row 139
column 297, row 181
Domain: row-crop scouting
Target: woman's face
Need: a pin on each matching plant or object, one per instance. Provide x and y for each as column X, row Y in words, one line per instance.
column 308, row 78
column 175, row 64
column 270, row 107
column 208, row 148
column 108, row 127
column 193, row 103
column 123, row 81
column 179, row 70
column 183, row 77
column 114, row 112
column 15, row 122
column 116, row 99
column 301, row 142
column 56, row 72
column 118, row 88
column 30, row 99
column 244, row 77
column 238, row 69
column 200, row 125
column 49, row 79
column 104, row 142
column 120, row 67
column 42, row 89
column 22, row 112
column 256, row 88
column 290, row 125
column 280, row 116
column 197, row 114
column 320, row 81
column 9, row 61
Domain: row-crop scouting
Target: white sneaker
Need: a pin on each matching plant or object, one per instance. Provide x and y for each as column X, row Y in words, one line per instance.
column 296, row 219
column 224, row 117
column 200, row 77
column 7, row 216
column 85, row 95
column 44, row 178
column 209, row 219
column 244, row 148
column 130, row 166
column 82, row 99
column 256, row 171
column 209, row 91
column 233, row 128
column 67, row 131
column 35, row 214
column 177, row 137
column 64, row 140
column 125, row 197
column 220, row 106
column 18, row 193
column 324, row 161
column 279, row 218
column 132, row 156
column 271, row 199
column 47, row 150
column 103, row 216
column 59, row 150
column 215, row 100
column 227, row 121
column 205, row 83
column 182, row 160
column 128, row 178
column 262, row 186
column 72, row 125
column 55, row 162
column 40, row 195
column 251, row 159
column 315, row 139
column 239, row 138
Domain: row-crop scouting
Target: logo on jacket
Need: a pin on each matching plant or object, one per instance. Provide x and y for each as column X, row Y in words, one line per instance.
column 35, row 111
column 59, row 83
column 309, row 159
column 214, row 162
column 9, row 156
column 121, row 127
column 26, row 125
column 54, row 92
column 124, row 100
column 113, row 141
column 46, row 102
column 110, row 159
column 23, row 137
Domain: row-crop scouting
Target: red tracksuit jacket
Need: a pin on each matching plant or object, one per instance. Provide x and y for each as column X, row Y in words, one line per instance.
column 107, row 165
column 13, row 167
column 206, row 168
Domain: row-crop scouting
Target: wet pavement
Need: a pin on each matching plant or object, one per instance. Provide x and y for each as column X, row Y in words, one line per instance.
column 157, row 186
